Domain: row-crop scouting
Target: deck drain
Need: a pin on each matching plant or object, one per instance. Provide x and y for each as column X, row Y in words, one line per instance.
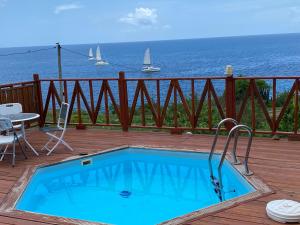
column 125, row 194
column 82, row 153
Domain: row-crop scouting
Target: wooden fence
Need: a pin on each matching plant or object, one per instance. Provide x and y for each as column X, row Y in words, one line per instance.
column 164, row 103
column 23, row 92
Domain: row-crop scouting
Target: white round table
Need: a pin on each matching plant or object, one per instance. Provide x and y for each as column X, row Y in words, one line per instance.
column 21, row 118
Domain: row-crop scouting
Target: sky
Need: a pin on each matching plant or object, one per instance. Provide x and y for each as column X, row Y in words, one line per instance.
column 45, row 22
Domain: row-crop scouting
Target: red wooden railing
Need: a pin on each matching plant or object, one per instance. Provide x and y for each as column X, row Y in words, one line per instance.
column 272, row 118
column 22, row 92
column 163, row 103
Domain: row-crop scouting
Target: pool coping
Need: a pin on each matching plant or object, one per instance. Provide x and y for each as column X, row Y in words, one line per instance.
column 7, row 206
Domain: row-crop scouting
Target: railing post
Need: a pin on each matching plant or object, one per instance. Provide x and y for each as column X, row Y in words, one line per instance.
column 79, row 126
column 123, row 101
column 230, row 95
column 39, row 98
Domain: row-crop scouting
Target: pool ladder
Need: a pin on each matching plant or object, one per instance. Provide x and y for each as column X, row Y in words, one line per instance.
column 218, row 184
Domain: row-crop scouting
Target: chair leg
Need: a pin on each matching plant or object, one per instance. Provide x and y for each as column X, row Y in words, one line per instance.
column 14, row 154
column 1, row 146
column 59, row 141
column 3, row 153
column 22, row 149
column 52, row 149
column 67, row 145
column 46, row 145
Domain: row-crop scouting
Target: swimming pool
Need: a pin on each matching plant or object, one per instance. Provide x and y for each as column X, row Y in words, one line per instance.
column 130, row 186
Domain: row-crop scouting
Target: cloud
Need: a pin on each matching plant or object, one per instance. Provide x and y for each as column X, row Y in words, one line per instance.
column 66, row 7
column 141, row 17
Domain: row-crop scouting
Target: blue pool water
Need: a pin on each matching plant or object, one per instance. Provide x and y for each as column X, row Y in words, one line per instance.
column 129, row 186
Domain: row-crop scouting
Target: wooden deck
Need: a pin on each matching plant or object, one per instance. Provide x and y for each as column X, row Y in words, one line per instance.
column 277, row 163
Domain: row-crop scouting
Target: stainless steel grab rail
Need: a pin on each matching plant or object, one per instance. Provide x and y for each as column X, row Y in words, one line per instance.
column 215, row 142
column 235, row 130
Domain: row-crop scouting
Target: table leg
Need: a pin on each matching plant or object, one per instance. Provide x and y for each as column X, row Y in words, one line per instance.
column 26, row 141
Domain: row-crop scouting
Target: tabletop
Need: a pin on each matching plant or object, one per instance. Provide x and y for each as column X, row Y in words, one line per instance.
column 21, row 117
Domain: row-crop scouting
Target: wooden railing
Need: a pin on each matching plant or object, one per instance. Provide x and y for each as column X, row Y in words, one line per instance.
column 23, row 92
column 273, row 115
column 175, row 96
column 165, row 103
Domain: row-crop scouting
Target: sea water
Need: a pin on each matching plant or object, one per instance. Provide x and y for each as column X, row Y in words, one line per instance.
column 264, row 55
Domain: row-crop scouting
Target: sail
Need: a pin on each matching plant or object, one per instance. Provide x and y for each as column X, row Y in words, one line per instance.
column 91, row 53
column 98, row 54
column 147, row 60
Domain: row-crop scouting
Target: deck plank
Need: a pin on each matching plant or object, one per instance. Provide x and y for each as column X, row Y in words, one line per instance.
column 276, row 162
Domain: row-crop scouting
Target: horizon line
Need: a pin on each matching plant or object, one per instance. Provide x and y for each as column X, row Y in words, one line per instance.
column 159, row 40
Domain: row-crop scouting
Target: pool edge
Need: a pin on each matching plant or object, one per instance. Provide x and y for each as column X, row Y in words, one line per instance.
column 9, row 202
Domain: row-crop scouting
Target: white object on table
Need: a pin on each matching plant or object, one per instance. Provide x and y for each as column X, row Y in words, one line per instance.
column 22, row 118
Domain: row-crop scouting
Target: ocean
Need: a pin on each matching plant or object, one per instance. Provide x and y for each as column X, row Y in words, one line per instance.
column 249, row 55
column 264, row 55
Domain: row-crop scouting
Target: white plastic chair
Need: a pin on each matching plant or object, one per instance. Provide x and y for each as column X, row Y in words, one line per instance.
column 61, row 128
column 11, row 108
column 8, row 136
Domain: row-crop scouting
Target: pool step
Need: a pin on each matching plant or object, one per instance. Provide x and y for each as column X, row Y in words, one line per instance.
column 86, row 162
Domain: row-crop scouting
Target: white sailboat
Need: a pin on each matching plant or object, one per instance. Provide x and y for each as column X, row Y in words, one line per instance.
column 100, row 61
column 148, row 68
column 91, row 56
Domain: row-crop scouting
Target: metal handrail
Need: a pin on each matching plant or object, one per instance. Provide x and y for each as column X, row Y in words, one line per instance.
column 215, row 142
column 235, row 130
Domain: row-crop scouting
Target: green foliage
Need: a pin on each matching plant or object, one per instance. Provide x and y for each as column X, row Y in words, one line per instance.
column 281, row 98
column 287, row 123
column 264, row 90
column 241, row 86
